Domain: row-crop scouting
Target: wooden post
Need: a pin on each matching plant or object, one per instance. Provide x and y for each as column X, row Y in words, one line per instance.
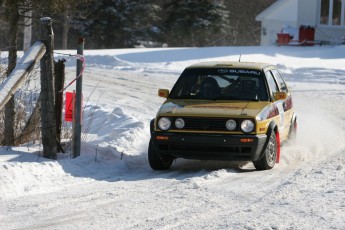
column 59, row 84
column 78, row 102
column 48, row 121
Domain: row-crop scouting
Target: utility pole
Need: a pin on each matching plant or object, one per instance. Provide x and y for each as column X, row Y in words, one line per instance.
column 78, row 101
column 48, row 120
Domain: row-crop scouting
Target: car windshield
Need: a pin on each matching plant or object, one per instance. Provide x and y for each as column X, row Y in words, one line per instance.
column 220, row 84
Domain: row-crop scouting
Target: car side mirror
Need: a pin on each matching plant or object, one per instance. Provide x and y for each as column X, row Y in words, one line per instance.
column 280, row 96
column 163, row 93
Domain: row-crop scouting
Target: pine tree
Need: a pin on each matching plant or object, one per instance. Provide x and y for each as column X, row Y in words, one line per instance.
column 120, row 23
column 195, row 22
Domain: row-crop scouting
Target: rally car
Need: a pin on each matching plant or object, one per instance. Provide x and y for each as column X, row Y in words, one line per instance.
column 234, row 111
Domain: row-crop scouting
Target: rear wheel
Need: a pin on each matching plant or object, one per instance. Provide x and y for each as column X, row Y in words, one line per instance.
column 158, row 162
column 269, row 157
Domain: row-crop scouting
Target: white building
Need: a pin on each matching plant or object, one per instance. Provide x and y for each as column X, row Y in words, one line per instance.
column 327, row 17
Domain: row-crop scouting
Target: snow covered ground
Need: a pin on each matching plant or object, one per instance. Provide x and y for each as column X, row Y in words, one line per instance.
column 111, row 186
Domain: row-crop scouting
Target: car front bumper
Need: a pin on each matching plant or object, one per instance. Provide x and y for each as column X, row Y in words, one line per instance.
column 209, row 146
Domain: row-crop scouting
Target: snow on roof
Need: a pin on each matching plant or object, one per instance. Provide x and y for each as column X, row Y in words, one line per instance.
column 281, row 9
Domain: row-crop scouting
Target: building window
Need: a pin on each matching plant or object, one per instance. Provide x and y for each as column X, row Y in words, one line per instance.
column 332, row 12
column 324, row 12
column 336, row 12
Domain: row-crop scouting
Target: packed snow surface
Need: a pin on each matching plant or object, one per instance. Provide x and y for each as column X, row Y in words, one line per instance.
column 111, row 185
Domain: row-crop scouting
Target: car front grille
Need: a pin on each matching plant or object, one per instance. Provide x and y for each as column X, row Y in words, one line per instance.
column 206, row 124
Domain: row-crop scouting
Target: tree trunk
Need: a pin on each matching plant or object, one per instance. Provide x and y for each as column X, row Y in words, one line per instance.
column 9, row 123
column 12, row 60
column 27, row 30
column 65, row 28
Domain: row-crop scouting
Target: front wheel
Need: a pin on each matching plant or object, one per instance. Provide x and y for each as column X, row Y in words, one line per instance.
column 156, row 161
column 269, row 158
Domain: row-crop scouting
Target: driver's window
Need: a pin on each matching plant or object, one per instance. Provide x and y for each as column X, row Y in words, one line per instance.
column 278, row 77
column 273, row 87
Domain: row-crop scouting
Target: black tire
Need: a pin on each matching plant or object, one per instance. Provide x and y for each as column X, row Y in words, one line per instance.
column 156, row 161
column 269, row 157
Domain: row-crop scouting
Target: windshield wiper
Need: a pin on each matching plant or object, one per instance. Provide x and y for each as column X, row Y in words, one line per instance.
column 250, row 99
column 183, row 97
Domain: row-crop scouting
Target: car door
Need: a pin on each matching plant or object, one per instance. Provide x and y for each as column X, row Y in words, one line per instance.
column 273, row 88
column 287, row 104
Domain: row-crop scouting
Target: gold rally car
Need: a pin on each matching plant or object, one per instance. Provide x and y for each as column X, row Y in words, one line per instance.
column 234, row 111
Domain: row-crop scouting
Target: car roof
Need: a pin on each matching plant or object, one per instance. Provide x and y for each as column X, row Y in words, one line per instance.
column 231, row 64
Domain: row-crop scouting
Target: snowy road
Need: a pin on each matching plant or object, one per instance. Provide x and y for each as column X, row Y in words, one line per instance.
column 111, row 186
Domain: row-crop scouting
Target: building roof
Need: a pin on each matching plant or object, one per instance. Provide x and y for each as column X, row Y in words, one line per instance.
column 279, row 6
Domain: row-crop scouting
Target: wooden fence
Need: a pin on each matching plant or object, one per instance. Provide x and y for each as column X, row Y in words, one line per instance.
column 23, row 68
column 41, row 51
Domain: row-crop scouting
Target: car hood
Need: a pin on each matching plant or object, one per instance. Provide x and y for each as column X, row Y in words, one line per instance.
column 211, row 108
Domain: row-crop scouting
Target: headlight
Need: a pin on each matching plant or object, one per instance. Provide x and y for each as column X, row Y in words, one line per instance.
column 247, row 126
column 230, row 124
column 164, row 123
column 179, row 123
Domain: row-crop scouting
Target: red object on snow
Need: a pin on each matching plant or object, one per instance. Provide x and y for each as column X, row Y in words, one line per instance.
column 283, row 38
column 306, row 35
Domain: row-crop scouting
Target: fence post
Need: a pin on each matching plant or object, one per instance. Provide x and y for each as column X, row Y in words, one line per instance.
column 48, row 120
column 78, row 102
column 59, row 84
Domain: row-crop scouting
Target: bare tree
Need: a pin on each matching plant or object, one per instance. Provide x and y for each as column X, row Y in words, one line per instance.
column 65, row 28
column 27, row 30
column 59, row 11
column 12, row 60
